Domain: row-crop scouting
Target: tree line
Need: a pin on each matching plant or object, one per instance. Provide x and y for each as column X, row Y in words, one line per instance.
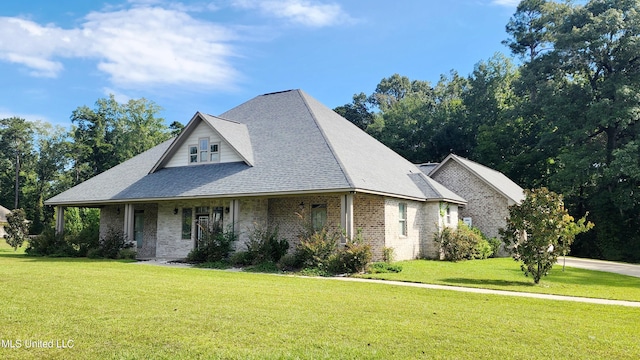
column 40, row 160
column 561, row 113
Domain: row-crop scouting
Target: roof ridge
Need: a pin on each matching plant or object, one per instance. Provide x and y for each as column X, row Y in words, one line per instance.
column 221, row 118
column 326, row 139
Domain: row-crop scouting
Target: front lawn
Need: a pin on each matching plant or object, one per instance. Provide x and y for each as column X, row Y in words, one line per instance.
column 113, row 309
column 505, row 274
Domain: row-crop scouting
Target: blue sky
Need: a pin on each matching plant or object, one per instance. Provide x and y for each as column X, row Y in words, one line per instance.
column 210, row 56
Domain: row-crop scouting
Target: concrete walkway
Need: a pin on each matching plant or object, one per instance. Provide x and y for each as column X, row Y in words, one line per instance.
column 496, row 292
column 601, row 265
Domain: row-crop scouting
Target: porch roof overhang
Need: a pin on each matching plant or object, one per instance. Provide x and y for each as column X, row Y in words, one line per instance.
column 101, row 203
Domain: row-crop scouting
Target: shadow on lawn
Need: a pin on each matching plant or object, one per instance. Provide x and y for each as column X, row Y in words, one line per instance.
column 483, row 282
column 25, row 257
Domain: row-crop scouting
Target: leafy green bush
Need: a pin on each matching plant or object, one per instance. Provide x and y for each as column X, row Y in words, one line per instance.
column 17, row 229
column 383, row 267
column 240, row 258
column 50, row 244
column 127, row 254
column 495, row 244
column 352, row 258
column 215, row 245
column 388, row 254
column 111, row 245
column 315, row 250
column 265, row 245
column 289, row 262
column 463, row 243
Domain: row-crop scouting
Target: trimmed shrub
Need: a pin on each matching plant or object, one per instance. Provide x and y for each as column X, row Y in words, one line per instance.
column 463, row 243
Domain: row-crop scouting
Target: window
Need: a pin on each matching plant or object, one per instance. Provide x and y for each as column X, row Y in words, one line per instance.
column 402, row 215
column 318, row 216
column 448, row 216
column 204, row 149
column 186, row 224
column 193, row 154
column 215, row 153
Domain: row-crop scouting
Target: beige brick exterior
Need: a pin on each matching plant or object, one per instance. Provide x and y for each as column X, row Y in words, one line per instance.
column 112, row 218
column 487, row 208
column 376, row 216
column 291, row 213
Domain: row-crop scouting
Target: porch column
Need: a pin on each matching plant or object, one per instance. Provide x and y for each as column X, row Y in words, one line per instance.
column 127, row 231
column 234, row 212
column 59, row 219
column 346, row 218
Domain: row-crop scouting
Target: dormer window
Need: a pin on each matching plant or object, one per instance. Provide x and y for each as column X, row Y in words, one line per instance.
column 193, row 154
column 215, row 152
column 204, row 149
column 204, row 152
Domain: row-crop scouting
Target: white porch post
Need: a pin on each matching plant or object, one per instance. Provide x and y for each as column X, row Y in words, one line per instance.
column 59, row 219
column 346, row 218
column 235, row 215
column 128, row 222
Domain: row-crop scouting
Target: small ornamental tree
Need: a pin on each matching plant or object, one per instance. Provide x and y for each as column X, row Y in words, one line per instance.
column 17, row 229
column 539, row 230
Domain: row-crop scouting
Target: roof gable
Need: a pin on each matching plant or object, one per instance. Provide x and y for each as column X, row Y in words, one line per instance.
column 233, row 136
column 495, row 179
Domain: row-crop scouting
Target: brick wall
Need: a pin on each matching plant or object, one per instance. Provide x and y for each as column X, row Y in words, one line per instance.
column 487, row 208
column 291, row 213
column 253, row 211
column 369, row 216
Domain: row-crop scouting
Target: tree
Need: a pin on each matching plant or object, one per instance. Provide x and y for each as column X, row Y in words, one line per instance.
column 112, row 133
column 16, row 141
column 17, row 230
column 357, row 111
column 539, row 230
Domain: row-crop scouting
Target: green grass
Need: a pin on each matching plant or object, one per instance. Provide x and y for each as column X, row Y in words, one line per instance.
column 505, row 274
column 113, row 309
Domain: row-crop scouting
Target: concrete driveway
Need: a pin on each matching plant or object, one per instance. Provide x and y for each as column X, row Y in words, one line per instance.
column 601, row 265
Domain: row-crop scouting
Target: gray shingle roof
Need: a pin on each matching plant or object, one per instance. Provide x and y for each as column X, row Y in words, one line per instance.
column 295, row 144
column 497, row 180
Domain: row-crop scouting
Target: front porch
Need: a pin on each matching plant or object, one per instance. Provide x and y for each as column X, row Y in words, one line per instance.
column 169, row 229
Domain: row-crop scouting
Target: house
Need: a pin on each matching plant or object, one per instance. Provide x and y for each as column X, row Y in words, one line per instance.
column 3, row 220
column 266, row 161
column 488, row 192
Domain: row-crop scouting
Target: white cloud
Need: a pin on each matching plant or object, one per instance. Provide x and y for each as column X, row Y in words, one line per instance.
column 302, row 12
column 509, row 3
column 135, row 47
column 152, row 42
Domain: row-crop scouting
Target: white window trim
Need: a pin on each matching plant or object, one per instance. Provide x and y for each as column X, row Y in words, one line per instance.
column 201, row 151
column 189, row 154
column 211, row 144
column 402, row 221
